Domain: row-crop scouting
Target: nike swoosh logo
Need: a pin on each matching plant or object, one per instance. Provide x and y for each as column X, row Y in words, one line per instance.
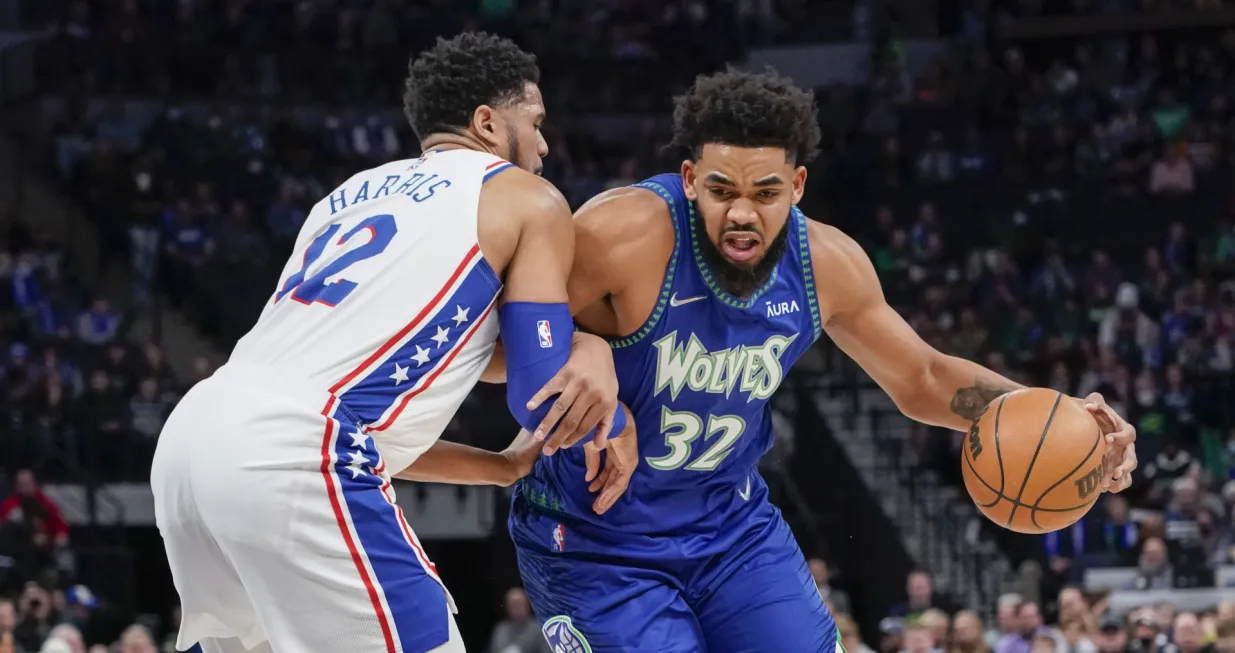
column 675, row 302
column 745, row 495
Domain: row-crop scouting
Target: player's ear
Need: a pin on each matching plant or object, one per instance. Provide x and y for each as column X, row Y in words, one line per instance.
column 799, row 183
column 484, row 123
column 688, row 180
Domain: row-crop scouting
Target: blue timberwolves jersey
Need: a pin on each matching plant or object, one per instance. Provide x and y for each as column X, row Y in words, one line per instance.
column 698, row 377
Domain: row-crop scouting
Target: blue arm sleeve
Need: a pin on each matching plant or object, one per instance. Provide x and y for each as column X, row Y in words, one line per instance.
column 537, row 339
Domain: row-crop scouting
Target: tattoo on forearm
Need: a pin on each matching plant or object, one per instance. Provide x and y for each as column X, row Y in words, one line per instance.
column 969, row 402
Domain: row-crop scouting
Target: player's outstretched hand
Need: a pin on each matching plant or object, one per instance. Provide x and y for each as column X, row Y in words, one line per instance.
column 521, row 455
column 586, row 389
column 621, row 457
column 1120, row 457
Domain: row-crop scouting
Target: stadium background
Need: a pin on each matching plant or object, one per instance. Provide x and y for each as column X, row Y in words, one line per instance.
column 1043, row 185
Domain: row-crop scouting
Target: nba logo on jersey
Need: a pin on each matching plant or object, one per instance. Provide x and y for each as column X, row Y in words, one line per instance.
column 546, row 336
column 559, row 538
column 563, row 637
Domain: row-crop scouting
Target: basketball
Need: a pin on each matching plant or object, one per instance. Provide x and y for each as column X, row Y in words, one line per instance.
column 1032, row 461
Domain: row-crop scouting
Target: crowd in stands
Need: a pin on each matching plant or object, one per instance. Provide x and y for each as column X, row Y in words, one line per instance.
column 1058, row 213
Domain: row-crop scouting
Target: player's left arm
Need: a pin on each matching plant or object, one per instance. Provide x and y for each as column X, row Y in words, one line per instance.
column 926, row 384
column 459, row 464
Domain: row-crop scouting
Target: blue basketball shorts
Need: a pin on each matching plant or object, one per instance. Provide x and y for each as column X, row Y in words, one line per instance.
column 746, row 589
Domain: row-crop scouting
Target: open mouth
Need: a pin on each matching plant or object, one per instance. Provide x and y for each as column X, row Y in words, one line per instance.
column 740, row 246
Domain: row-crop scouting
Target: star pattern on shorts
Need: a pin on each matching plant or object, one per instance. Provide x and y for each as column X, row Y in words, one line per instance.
column 441, row 337
column 460, row 315
column 358, row 464
column 421, row 357
column 400, row 374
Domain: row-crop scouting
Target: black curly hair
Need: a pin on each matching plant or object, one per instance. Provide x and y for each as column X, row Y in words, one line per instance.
column 447, row 82
column 746, row 109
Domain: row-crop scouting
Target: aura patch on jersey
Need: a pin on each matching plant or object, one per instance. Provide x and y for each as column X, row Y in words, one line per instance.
column 563, row 637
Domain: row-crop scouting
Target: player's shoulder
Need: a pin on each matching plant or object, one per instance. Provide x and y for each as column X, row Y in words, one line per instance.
column 840, row 264
column 526, row 194
column 623, row 214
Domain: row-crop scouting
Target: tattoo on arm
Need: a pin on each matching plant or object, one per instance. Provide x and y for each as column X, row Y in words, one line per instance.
column 969, row 402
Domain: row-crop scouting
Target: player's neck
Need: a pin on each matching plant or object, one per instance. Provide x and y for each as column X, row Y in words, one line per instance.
column 443, row 142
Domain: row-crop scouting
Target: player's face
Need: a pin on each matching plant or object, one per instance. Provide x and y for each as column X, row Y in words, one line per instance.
column 743, row 195
column 521, row 121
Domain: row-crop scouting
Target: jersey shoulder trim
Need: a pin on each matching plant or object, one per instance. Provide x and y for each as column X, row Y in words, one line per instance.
column 662, row 301
column 808, row 269
column 496, row 167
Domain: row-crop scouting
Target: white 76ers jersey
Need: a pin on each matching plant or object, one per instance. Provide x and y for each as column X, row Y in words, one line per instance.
column 387, row 301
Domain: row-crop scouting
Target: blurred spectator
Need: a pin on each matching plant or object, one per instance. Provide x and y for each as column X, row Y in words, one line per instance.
column 1112, row 635
column 1173, row 173
column 1154, row 569
column 918, row 639
column 1187, row 636
column 1029, row 627
column 518, row 632
column 137, row 639
column 937, row 623
column 920, row 592
column 968, row 635
column 35, row 617
column 1146, row 632
column 30, row 505
column 838, row 599
column 849, row 634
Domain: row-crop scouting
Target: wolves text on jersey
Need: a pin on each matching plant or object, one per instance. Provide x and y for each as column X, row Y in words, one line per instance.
column 753, row 369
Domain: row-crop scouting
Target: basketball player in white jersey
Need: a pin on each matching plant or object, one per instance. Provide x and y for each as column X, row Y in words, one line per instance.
column 272, row 477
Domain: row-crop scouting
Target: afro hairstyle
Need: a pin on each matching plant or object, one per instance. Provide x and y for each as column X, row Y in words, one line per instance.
column 746, row 109
column 447, row 82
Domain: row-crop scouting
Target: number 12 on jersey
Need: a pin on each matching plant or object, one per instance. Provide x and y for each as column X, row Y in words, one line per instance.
column 316, row 289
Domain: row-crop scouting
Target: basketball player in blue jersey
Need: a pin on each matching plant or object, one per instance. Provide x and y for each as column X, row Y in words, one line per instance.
column 710, row 284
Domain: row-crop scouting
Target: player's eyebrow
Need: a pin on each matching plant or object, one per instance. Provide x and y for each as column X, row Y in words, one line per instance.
column 770, row 180
column 718, row 178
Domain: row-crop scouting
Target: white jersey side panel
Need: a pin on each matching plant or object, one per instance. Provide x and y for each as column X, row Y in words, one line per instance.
column 387, row 301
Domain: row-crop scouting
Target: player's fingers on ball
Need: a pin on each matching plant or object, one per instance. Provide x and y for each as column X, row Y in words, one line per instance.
column 1124, row 436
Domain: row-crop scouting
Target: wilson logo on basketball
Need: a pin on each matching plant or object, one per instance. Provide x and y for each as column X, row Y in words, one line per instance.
column 1089, row 482
column 975, row 442
column 975, row 436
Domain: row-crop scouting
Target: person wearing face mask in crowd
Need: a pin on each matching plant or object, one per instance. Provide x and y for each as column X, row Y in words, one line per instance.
column 1147, row 635
column 1112, row 636
column 1216, row 539
column 1154, row 569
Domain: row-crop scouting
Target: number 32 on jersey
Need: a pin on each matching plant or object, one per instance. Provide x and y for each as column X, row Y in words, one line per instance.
column 681, row 429
column 374, row 235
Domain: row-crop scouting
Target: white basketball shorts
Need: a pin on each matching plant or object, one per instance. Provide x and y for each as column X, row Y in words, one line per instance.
column 282, row 531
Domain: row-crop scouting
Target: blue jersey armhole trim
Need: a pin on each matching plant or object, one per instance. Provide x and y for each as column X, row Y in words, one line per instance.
column 663, row 300
column 505, row 165
column 808, row 270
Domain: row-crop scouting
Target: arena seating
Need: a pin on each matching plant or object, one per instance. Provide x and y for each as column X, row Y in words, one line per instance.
column 1055, row 208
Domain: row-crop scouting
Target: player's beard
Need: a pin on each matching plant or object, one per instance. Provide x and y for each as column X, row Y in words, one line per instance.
column 512, row 142
column 735, row 279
